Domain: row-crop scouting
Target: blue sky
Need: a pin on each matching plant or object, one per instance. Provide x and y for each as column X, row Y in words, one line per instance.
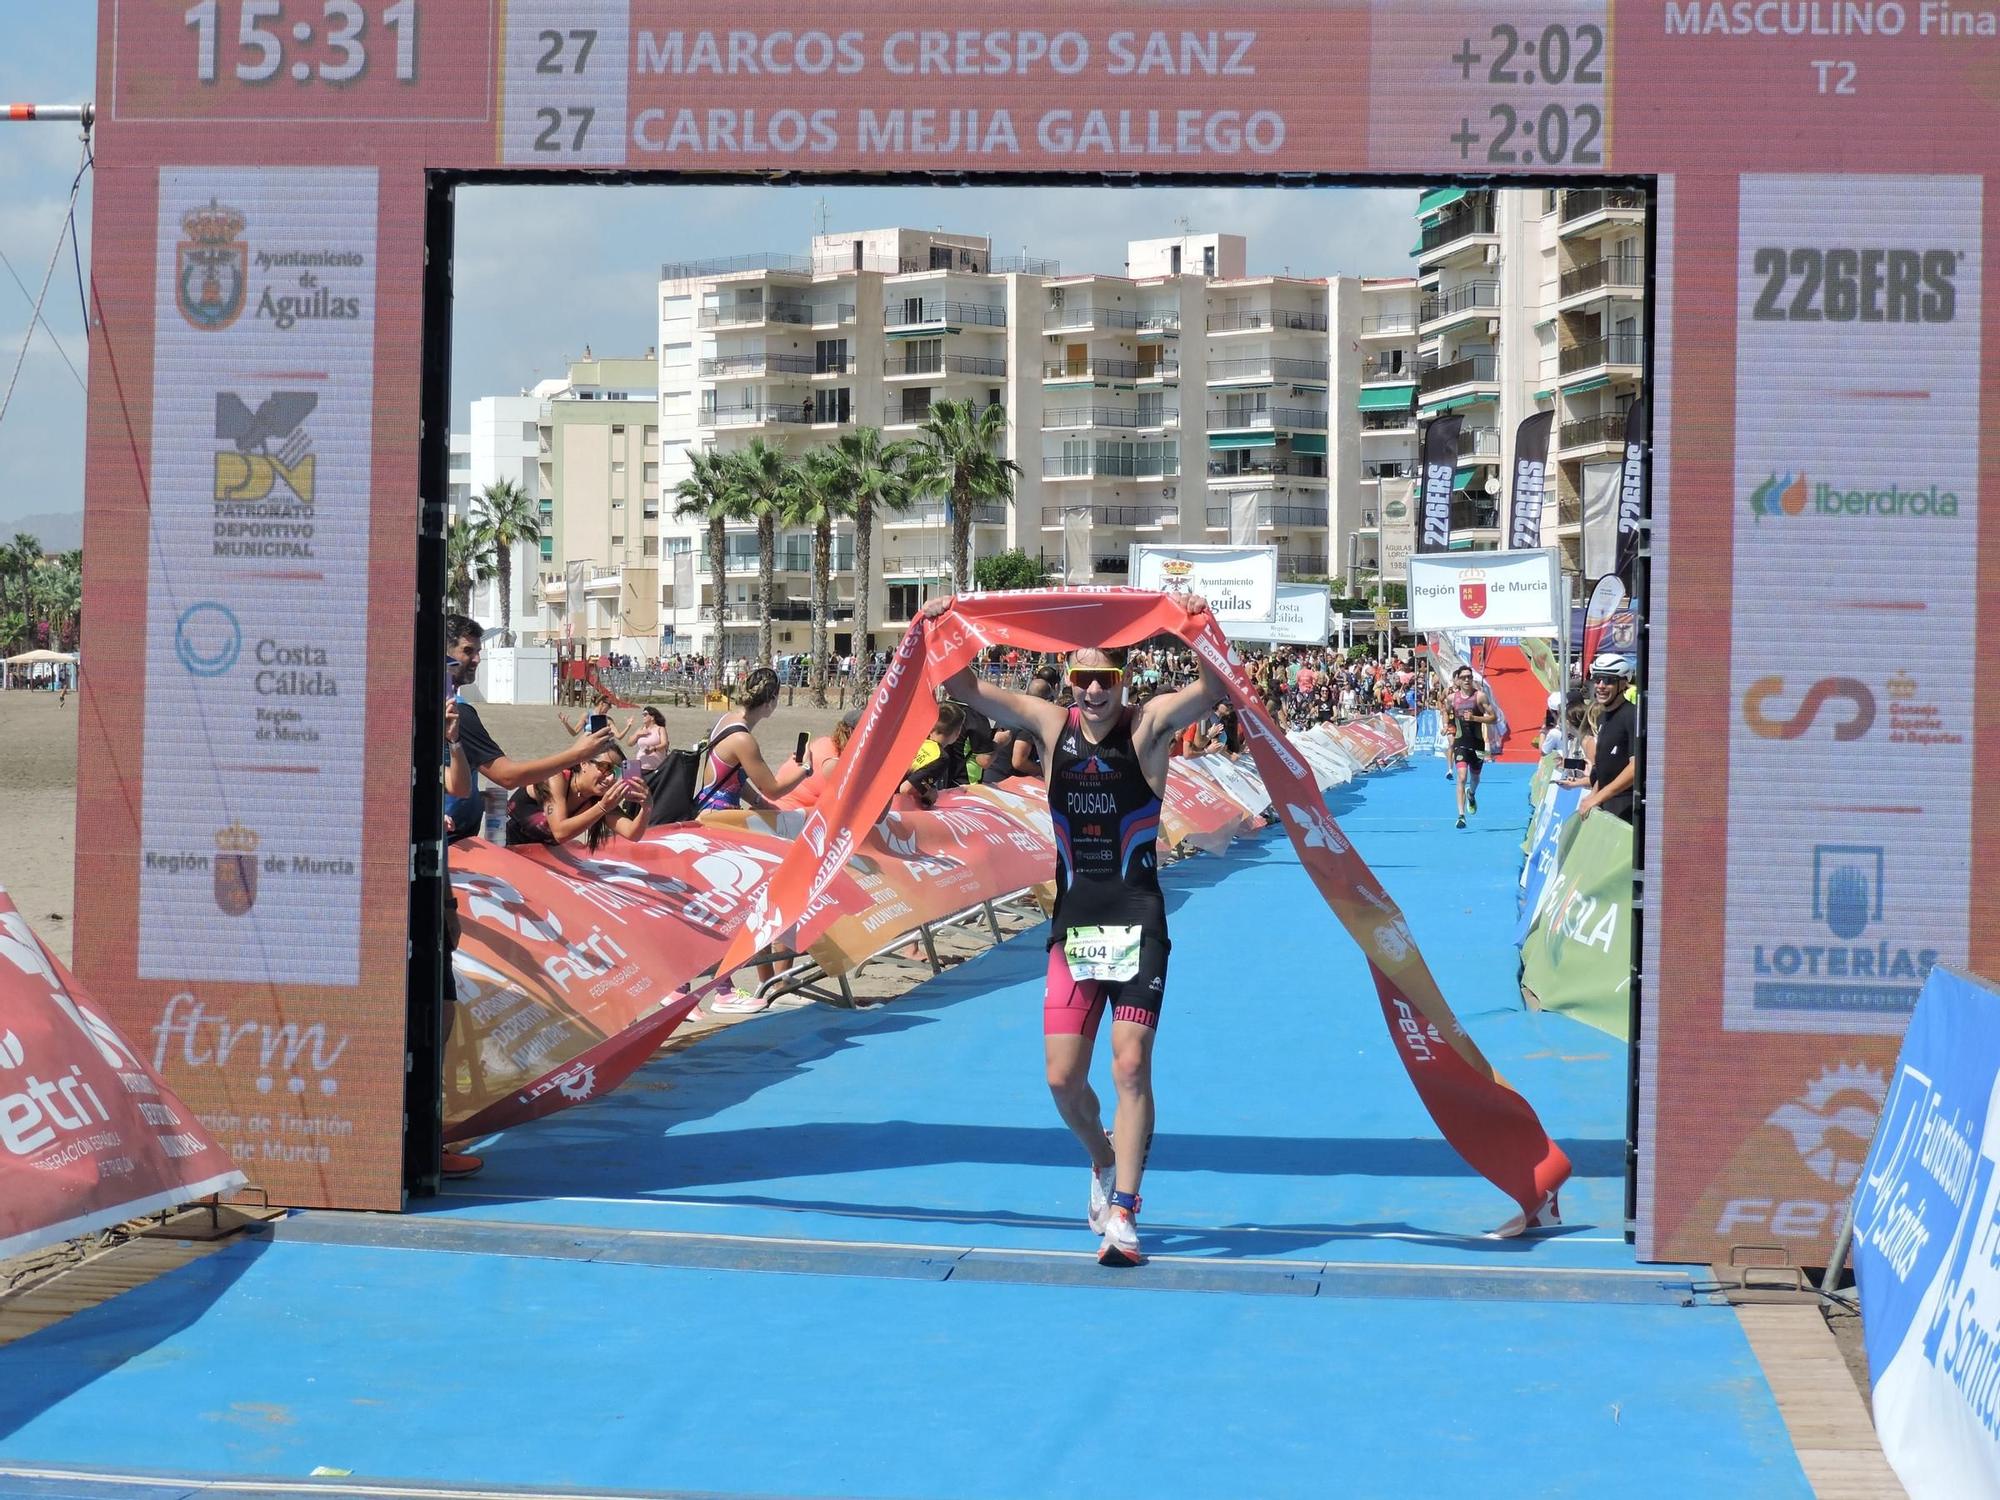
column 544, row 271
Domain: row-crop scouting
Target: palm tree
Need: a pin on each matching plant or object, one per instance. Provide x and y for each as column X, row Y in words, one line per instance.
column 822, row 494
column 709, row 494
column 506, row 516
column 958, row 456
column 468, row 561
column 25, row 555
column 764, row 478
column 876, row 478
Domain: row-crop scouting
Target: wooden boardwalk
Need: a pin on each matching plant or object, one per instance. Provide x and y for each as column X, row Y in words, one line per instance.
column 1829, row 1425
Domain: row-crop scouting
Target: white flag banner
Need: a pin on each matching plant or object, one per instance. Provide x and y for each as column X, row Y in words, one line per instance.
column 1243, row 518
column 684, row 596
column 1076, row 547
column 1602, row 484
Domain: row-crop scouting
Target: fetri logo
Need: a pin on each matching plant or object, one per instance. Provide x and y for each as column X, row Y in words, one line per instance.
column 1792, row 494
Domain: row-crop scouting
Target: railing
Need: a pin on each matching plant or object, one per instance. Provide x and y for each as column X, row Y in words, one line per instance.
column 1569, row 510
column 909, row 412
column 1459, row 299
column 799, row 560
column 984, row 515
column 925, row 565
column 1386, row 323
column 1387, row 421
column 1160, row 370
column 1387, row 367
column 1158, row 322
column 1476, row 440
column 896, row 314
column 767, row 260
column 728, row 366
column 1091, row 369
column 797, row 413
column 1468, row 514
column 755, row 312
column 1472, row 369
column 1295, row 418
column 1620, row 349
column 1608, row 427
column 1301, row 565
column 1271, row 514
column 1246, row 468
column 732, row 562
column 1088, row 416
column 1276, row 318
column 1085, row 316
column 1115, row 465
column 1583, row 202
column 943, row 364
column 1112, row 515
column 1477, row 219
column 1610, row 270
column 1023, row 265
column 1388, row 471
column 1267, row 368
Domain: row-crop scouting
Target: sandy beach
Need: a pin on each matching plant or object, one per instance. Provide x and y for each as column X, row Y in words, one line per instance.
column 38, row 782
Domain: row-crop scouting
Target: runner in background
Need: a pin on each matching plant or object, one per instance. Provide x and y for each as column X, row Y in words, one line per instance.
column 1470, row 711
column 1108, row 945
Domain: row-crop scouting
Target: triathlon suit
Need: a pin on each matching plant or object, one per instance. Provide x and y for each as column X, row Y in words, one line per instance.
column 725, row 782
column 1109, row 941
column 1469, row 742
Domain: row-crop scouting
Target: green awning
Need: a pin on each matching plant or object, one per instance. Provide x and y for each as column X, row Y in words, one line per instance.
column 1545, row 395
column 1589, row 385
column 1432, row 408
column 1387, row 397
column 1463, row 477
column 1439, row 199
column 1311, row 443
column 1222, row 440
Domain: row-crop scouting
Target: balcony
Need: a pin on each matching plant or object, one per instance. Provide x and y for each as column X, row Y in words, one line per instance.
column 1569, row 511
column 1606, row 430
column 1088, row 416
column 789, row 413
column 1091, row 369
column 1301, row 565
column 1626, row 351
column 1274, row 419
column 1396, row 470
column 1023, row 265
column 1274, row 320
column 1381, row 423
column 750, row 366
column 747, row 314
column 1384, row 325
column 1472, row 299
column 1112, row 466
column 1441, row 238
column 1479, row 442
column 1271, row 513
column 731, row 265
column 1241, row 466
column 1625, row 273
column 982, row 515
column 733, row 561
column 1392, row 366
column 1264, row 369
column 1476, row 369
column 1470, row 514
column 1142, row 516
column 1589, row 208
column 929, row 312
column 901, row 367
column 1081, row 318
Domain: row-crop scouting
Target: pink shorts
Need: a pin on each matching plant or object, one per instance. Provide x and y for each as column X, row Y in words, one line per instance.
column 1073, row 1007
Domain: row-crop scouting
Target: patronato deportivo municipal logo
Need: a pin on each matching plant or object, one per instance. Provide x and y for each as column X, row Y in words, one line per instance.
column 212, row 267
column 1793, row 494
column 265, row 446
column 236, row 869
column 1472, row 593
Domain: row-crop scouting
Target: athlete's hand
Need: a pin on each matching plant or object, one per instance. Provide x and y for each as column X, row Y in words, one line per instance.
column 934, row 609
column 1194, row 604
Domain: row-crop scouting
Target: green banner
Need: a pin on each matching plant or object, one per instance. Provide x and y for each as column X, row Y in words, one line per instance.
column 1550, row 764
column 1542, row 661
column 1578, row 956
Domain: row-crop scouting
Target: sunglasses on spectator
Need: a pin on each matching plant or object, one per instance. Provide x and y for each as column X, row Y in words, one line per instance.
column 1089, row 677
column 1610, row 677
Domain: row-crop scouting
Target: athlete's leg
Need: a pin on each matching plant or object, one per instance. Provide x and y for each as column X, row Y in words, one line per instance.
column 1132, row 1073
column 1070, row 1013
column 1458, row 770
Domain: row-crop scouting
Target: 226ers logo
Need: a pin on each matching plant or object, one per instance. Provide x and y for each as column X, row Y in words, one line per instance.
column 1472, row 593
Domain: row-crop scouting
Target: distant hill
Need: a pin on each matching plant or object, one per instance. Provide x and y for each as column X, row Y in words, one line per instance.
column 58, row 532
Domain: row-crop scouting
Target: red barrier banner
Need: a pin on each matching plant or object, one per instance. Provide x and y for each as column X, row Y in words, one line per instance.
column 566, row 981
column 1196, row 812
column 1491, row 1126
column 91, row 1136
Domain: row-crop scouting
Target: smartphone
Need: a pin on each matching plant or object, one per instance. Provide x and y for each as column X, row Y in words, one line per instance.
column 595, row 721
column 451, row 679
column 799, row 754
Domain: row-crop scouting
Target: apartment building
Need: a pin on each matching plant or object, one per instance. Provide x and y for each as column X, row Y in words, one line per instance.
column 501, row 444
column 1531, row 301
column 1182, row 400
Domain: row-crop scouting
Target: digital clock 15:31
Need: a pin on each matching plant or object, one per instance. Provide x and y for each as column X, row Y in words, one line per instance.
column 338, row 32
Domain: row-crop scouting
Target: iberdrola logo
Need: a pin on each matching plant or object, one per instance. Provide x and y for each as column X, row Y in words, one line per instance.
column 1779, row 495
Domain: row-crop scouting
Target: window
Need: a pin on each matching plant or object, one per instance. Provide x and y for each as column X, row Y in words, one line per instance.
column 916, row 403
column 548, row 548
column 1208, row 260
column 652, row 510
column 617, row 541
column 649, row 474
column 617, row 504
column 618, row 429
column 618, row 464
column 676, row 545
column 652, row 546
column 993, row 396
column 833, row 405
column 905, row 599
column 1174, row 261
column 829, row 356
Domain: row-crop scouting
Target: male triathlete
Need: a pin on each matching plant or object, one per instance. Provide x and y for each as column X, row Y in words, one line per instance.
column 1107, row 771
column 1470, row 711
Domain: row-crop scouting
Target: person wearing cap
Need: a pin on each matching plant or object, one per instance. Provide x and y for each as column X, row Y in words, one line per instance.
column 1611, row 765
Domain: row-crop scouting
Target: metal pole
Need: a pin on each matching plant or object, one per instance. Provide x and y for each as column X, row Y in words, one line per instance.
column 84, row 114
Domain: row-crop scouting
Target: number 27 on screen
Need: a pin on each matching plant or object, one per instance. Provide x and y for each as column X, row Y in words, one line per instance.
column 328, row 41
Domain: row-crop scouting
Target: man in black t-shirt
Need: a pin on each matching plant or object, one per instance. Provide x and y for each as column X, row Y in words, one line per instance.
column 1612, row 768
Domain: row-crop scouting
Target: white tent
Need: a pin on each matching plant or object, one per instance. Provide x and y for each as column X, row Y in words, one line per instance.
column 36, row 659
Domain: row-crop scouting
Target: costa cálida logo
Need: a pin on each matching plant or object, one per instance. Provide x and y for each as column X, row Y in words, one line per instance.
column 236, row 869
column 1472, row 593
column 212, row 267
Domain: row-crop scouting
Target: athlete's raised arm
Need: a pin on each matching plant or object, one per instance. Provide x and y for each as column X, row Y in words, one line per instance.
column 1012, row 710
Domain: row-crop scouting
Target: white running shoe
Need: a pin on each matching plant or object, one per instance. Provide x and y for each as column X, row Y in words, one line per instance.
column 1102, row 1181
column 1121, row 1241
